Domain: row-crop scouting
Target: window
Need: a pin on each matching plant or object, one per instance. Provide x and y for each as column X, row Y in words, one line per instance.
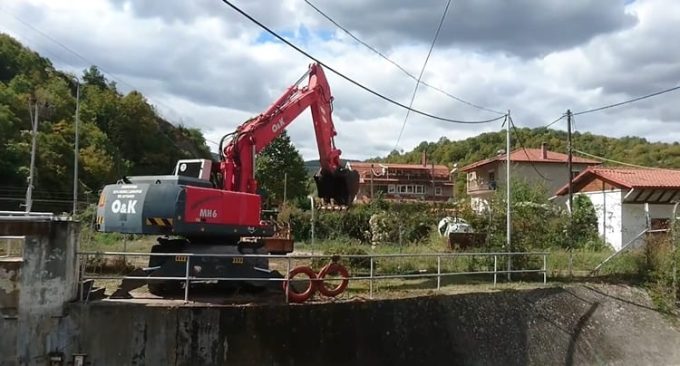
column 402, row 189
column 437, row 191
column 391, row 188
column 419, row 189
column 409, row 189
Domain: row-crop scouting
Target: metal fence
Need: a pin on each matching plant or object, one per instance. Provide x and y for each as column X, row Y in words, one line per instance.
column 493, row 264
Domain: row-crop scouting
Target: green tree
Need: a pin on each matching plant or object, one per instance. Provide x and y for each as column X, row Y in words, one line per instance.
column 276, row 161
column 584, row 221
column 119, row 134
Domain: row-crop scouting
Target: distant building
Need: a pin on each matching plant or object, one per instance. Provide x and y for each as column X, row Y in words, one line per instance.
column 484, row 176
column 423, row 182
column 628, row 202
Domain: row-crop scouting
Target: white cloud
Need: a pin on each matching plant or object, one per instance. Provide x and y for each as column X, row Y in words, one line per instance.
column 205, row 66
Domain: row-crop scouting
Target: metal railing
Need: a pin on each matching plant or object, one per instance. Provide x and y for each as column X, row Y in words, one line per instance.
column 26, row 216
column 481, row 185
column 371, row 277
column 8, row 244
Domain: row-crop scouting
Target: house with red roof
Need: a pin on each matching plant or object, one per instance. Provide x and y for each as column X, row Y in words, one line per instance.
column 628, row 202
column 537, row 166
column 422, row 182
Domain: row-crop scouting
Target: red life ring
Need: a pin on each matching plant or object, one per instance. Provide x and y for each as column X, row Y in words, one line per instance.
column 331, row 269
column 300, row 297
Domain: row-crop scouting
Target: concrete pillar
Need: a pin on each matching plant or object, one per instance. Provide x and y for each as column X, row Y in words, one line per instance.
column 47, row 280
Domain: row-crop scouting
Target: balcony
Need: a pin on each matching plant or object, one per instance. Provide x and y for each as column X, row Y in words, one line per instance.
column 480, row 186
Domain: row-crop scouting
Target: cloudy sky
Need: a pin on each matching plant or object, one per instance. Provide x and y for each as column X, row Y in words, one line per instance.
column 203, row 65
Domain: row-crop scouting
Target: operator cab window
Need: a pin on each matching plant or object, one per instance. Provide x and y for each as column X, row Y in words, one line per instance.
column 195, row 168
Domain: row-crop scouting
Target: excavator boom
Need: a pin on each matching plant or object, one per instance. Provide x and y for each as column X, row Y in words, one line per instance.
column 334, row 182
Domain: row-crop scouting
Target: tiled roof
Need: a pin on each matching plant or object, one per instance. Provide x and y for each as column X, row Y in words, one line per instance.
column 531, row 155
column 627, row 178
column 365, row 168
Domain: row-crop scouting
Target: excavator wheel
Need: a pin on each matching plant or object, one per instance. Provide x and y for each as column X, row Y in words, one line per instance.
column 164, row 287
column 341, row 186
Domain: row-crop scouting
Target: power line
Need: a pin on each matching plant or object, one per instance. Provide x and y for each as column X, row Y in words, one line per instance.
column 398, row 66
column 511, row 124
column 365, row 88
column 555, row 121
column 422, row 71
column 619, row 162
column 628, row 101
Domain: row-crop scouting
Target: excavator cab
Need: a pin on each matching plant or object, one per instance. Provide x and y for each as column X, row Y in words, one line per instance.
column 339, row 187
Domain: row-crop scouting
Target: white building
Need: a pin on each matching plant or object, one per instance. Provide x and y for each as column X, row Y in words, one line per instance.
column 628, row 202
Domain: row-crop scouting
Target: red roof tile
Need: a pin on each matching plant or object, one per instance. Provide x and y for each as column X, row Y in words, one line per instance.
column 627, row 178
column 531, row 155
column 365, row 168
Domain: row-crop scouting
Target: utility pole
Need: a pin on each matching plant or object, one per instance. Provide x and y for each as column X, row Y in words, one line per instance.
column 372, row 181
column 311, row 201
column 508, row 233
column 76, row 150
column 571, row 193
column 674, row 255
column 285, row 186
column 29, row 190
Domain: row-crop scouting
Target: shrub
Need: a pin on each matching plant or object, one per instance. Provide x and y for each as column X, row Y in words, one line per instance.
column 412, row 222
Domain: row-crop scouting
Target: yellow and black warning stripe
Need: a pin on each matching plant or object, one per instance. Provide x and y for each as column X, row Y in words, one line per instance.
column 159, row 221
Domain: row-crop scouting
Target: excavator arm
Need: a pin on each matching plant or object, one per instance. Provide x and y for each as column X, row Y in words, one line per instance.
column 237, row 165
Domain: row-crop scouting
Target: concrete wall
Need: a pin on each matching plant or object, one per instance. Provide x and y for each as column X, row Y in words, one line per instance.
column 556, row 173
column 620, row 223
column 608, row 209
column 47, row 281
column 549, row 326
column 635, row 219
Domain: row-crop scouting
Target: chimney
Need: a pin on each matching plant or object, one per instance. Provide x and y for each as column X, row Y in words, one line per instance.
column 423, row 159
column 544, row 151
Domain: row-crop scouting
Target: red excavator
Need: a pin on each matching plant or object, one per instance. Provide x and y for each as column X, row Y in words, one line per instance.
column 208, row 207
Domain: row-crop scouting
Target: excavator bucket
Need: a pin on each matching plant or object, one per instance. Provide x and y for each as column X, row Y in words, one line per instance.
column 340, row 186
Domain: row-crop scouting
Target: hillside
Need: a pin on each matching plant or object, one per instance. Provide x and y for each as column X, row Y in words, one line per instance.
column 120, row 134
column 633, row 150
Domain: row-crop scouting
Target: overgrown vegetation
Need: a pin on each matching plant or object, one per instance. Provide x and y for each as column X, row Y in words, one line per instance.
column 379, row 222
column 120, row 134
column 657, row 270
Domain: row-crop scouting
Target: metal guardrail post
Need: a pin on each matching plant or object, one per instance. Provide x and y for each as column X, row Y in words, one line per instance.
column 439, row 272
column 288, row 278
column 81, row 270
column 571, row 262
column 545, row 269
column 370, row 281
column 186, row 283
column 495, row 270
